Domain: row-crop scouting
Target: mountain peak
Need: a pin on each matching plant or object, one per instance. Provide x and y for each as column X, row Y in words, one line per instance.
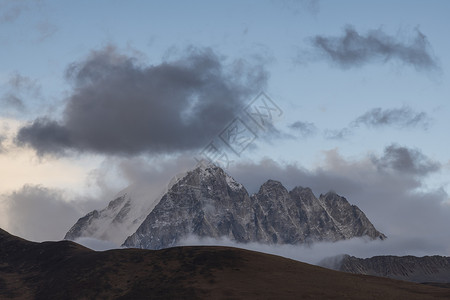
column 271, row 185
column 208, row 202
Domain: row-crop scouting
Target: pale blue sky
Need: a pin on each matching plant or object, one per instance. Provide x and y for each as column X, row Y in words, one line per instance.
column 46, row 36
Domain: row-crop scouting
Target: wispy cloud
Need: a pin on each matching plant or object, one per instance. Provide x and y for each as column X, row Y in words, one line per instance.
column 12, row 101
column 45, row 30
column 337, row 134
column 304, row 129
column 10, row 10
column 399, row 118
column 354, row 49
column 19, row 87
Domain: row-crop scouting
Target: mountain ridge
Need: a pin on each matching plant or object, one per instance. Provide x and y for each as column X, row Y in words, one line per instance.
column 409, row 268
column 207, row 202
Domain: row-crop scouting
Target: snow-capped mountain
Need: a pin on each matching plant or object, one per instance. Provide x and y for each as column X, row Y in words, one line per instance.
column 119, row 219
column 207, row 202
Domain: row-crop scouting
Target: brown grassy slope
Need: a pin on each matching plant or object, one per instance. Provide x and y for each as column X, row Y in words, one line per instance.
column 65, row 270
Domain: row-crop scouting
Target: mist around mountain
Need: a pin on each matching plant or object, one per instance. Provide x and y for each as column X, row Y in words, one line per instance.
column 119, row 219
column 208, row 203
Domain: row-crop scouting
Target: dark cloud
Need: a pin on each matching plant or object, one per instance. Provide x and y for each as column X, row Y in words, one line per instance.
column 121, row 106
column 400, row 117
column 38, row 213
column 355, row 50
column 45, row 136
column 305, row 129
column 393, row 196
column 405, row 161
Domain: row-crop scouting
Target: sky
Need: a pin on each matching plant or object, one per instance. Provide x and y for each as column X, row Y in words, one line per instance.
column 99, row 95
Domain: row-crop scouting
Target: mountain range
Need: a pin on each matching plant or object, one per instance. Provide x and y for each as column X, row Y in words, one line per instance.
column 208, row 203
column 409, row 268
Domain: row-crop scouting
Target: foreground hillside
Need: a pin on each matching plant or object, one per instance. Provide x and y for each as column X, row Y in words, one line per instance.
column 65, row 270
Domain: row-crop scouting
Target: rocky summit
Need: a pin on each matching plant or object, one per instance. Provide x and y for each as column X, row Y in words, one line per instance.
column 207, row 202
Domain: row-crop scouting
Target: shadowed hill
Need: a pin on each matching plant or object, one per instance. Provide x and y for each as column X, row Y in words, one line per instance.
column 66, row 270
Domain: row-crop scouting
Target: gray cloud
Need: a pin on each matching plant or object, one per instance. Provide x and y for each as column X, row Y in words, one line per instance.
column 305, row 129
column 121, row 106
column 400, row 117
column 45, row 136
column 38, row 213
column 405, row 160
column 355, row 50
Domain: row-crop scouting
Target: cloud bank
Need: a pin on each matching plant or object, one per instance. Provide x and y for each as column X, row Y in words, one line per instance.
column 316, row 252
